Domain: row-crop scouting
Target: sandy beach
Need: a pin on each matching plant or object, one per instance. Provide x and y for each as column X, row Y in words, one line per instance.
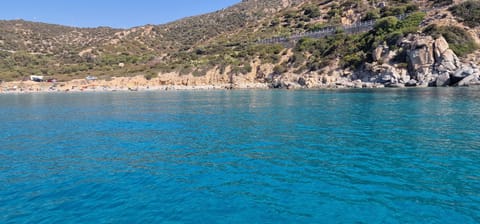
column 137, row 83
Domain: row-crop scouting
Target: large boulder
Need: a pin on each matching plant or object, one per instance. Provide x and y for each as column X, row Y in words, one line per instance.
column 469, row 80
column 395, row 85
column 391, row 75
column 446, row 59
column 308, row 82
column 380, row 52
column 291, row 85
column 276, row 83
column 442, row 80
column 419, row 51
column 420, row 57
column 461, row 74
column 431, row 61
column 440, row 46
column 302, row 81
column 411, row 83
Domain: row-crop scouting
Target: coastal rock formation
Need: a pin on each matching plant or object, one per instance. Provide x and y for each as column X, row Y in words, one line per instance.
column 285, row 81
column 431, row 62
column 443, row 79
column 420, row 57
column 380, row 52
column 470, row 80
column 444, row 56
column 389, row 75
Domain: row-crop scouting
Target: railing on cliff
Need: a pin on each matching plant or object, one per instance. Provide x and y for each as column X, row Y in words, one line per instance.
column 328, row 31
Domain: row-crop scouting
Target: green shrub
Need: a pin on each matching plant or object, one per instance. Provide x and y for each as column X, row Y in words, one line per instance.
column 185, row 70
column 311, row 11
column 315, row 64
column 297, row 59
column 460, row 41
column 353, row 60
column 391, row 30
column 393, row 11
column 469, row 12
column 392, row 39
column 200, row 72
column 243, row 69
column 247, row 68
column 372, row 14
column 333, row 13
column 279, row 69
column 412, row 21
column 150, row 75
column 386, row 25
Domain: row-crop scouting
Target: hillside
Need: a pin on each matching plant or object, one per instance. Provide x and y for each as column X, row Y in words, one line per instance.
column 29, row 48
column 225, row 43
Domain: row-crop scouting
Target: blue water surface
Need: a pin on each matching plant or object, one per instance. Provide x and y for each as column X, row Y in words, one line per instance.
column 257, row 156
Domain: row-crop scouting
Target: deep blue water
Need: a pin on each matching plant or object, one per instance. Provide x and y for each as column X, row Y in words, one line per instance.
column 355, row 156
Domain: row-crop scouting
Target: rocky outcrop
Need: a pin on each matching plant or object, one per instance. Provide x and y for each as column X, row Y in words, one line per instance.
column 411, row 83
column 380, row 52
column 470, row 80
column 420, row 57
column 389, row 75
column 466, row 77
column 442, row 80
column 445, row 58
column 286, row 81
column 431, row 62
column 427, row 61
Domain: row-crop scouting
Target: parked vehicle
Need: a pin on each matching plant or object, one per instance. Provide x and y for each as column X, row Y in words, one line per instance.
column 36, row 78
column 91, row 78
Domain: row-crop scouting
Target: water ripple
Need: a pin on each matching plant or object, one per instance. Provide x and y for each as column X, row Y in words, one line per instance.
column 375, row 156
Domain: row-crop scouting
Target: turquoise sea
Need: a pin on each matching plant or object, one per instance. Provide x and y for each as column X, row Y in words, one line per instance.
column 253, row 156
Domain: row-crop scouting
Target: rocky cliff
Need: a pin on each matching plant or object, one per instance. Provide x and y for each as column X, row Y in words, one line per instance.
column 430, row 62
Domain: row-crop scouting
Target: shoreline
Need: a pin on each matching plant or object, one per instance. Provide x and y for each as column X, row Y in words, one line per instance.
column 173, row 88
column 169, row 88
column 102, row 86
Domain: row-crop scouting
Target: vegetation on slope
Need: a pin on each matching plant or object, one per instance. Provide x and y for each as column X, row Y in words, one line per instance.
column 28, row 48
column 225, row 40
column 469, row 12
column 460, row 41
column 353, row 50
column 309, row 54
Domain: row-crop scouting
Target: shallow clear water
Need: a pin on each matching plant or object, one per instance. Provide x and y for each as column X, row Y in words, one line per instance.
column 365, row 156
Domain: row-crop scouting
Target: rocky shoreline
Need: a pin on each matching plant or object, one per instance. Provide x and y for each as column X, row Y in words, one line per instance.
column 29, row 87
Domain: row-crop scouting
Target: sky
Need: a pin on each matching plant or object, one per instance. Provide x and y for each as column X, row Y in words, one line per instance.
column 113, row 13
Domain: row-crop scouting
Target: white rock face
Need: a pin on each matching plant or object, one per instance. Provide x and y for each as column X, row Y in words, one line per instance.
column 420, row 57
column 444, row 56
column 432, row 62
